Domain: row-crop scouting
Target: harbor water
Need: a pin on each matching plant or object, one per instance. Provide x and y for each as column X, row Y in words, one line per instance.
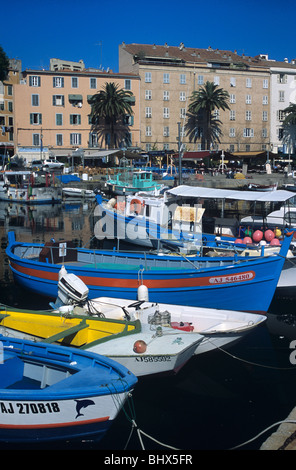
column 217, row 401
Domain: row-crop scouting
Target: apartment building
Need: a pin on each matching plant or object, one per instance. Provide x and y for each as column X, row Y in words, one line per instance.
column 52, row 110
column 283, row 92
column 7, row 107
column 169, row 75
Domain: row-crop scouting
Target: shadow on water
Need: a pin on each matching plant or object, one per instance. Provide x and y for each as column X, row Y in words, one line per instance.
column 217, row 401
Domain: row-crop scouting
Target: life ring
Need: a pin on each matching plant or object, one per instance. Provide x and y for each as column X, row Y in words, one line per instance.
column 137, row 206
column 120, row 206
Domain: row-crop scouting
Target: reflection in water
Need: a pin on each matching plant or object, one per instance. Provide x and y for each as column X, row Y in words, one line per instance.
column 218, row 400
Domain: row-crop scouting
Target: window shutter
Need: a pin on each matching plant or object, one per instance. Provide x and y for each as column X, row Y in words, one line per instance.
column 31, row 118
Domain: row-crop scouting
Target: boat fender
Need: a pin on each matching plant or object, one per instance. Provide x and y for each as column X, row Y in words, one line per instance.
column 137, row 206
column 142, row 293
column 184, row 326
column 139, row 346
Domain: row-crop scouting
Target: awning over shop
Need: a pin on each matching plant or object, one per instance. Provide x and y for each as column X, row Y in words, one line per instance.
column 214, row 193
column 199, row 155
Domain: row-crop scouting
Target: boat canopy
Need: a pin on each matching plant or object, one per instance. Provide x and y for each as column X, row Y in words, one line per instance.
column 213, row 193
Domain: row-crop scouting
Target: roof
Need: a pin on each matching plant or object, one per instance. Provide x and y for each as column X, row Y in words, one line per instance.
column 182, row 53
column 213, row 193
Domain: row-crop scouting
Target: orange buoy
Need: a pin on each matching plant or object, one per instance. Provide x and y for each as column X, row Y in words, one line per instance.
column 275, row 242
column 269, row 235
column 136, row 206
column 140, row 346
column 247, row 240
column 257, row 236
column 238, row 240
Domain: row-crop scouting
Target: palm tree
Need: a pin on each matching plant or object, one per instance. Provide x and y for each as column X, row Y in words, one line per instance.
column 4, row 65
column 289, row 126
column 110, row 109
column 203, row 104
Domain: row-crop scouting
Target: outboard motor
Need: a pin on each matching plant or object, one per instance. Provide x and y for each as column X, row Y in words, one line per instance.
column 71, row 289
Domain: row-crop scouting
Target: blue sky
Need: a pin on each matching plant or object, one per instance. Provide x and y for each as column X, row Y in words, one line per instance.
column 93, row 29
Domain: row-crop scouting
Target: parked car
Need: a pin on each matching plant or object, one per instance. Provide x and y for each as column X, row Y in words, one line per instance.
column 37, row 164
column 52, row 164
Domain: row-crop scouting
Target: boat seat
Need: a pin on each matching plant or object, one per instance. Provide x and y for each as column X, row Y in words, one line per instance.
column 11, row 370
column 66, row 333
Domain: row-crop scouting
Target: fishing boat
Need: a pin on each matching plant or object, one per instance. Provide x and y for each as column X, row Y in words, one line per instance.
column 218, row 327
column 262, row 187
column 129, row 181
column 51, row 393
column 234, row 283
column 144, row 349
column 29, row 187
column 78, row 193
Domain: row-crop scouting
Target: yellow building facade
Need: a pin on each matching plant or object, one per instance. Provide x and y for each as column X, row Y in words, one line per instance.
column 52, row 111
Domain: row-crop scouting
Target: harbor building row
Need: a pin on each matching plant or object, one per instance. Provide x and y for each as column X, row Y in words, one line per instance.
column 47, row 112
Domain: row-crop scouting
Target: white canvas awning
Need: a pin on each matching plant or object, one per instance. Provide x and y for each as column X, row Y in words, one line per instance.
column 213, row 193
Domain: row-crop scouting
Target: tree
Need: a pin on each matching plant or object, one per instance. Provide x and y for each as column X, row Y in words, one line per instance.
column 111, row 108
column 204, row 102
column 4, row 65
column 289, row 126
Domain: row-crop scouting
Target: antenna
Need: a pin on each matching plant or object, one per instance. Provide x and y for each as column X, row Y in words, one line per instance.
column 100, row 44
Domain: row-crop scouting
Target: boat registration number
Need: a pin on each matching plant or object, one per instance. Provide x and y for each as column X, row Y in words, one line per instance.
column 28, row 408
column 234, row 278
column 153, row 359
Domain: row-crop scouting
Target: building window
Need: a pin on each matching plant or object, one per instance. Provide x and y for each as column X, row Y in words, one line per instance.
column 282, row 78
column 248, row 99
column 232, row 81
column 265, row 83
column 264, row 133
column 127, row 84
column 36, row 140
column 148, row 112
column 9, row 90
column 280, row 115
column 182, row 113
column 249, row 83
column 58, row 82
column 58, row 100
column 59, row 139
column 74, row 82
column 281, row 96
column 264, row 99
column 232, row 98
column 248, row 132
column 148, row 78
column 148, row 147
column 148, row 95
column 166, row 78
column 182, row 79
column 264, row 116
column 166, row 131
column 200, row 79
column 34, row 80
column 182, row 96
column 35, row 100
column 35, row 118
column 93, row 83
column 59, row 119
column 10, row 106
column 75, row 119
column 248, row 115
column 148, row 131
column 166, row 95
column 232, row 132
column 166, row 113
column 75, row 139
column 232, row 115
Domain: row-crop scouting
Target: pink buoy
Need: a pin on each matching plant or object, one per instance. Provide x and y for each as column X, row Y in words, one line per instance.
column 140, row 346
column 247, row 240
column 257, row 236
column 238, row 240
column 269, row 235
column 275, row 242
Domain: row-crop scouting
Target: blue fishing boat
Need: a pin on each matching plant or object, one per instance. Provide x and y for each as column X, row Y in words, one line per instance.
column 234, row 283
column 51, row 393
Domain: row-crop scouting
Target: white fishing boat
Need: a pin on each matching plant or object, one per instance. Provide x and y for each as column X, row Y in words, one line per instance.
column 217, row 327
column 78, row 193
column 29, row 187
